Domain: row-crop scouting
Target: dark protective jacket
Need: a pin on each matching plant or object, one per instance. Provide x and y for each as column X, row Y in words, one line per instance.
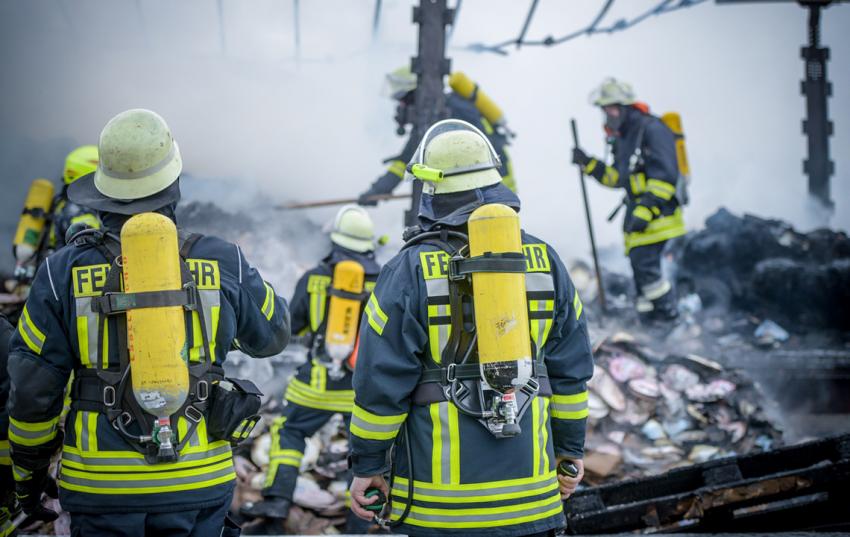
column 466, row 481
column 645, row 167
column 59, row 334
column 7, row 484
column 311, row 386
column 458, row 108
column 65, row 214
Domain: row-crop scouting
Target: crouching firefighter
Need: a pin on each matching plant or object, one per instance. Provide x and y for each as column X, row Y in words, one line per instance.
column 326, row 309
column 470, row 386
column 143, row 316
column 645, row 166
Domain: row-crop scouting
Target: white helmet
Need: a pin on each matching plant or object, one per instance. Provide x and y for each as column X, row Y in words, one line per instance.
column 454, row 156
column 613, row 91
column 138, row 156
column 353, row 229
column 401, row 82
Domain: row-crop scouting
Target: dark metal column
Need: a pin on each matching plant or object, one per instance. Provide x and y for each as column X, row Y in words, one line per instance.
column 430, row 66
column 817, row 126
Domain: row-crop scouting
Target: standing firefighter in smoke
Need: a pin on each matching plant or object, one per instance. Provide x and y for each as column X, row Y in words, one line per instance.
column 474, row 357
column 466, row 102
column 326, row 307
column 145, row 453
column 645, row 166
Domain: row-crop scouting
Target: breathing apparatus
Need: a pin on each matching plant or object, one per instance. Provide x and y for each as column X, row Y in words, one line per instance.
column 335, row 347
column 32, row 229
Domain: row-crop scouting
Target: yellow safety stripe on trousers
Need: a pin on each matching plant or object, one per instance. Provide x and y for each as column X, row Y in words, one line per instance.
column 268, row 303
column 540, row 417
column 397, row 168
column 26, row 433
column 20, row 474
column 370, row 426
column 32, row 336
column 659, row 230
column 569, row 407
column 482, row 517
column 445, row 437
column 486, row 492
column 317, row 290
column 375, row 315
column 577, row 305
column 657, row 289
column 5, row 460
column 637, row 182
column 661, row 189
column 334, row 401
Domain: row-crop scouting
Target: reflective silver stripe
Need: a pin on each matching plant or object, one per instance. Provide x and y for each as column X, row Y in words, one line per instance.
column 210, row 298
column 656, row 290
column 145, row 480
column 32, row 435
column 445, row 439
column 539, row 281
column 83, row 306
column 437, row 287
column 140, row 462
column 491, row 491
column 84, row 430
column 644, row 305
column 24, row 324
column 20, row 473
column 568, row 407
column 357, row 421
column 375, row 315
column 502, row 514
column 541, row 441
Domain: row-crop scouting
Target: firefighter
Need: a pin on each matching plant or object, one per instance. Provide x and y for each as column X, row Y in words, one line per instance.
column 79, row 162
column 122, row 473
column 418, row 383
column 322, row 386
column 646, row 168
column 402, row 84
column 7, row 484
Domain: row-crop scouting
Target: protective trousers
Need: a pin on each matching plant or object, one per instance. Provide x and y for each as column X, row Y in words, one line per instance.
column 197, row 523
column 655, row 296
column 289, row 434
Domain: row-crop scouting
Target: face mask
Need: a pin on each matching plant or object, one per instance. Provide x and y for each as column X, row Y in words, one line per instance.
column 613, row 124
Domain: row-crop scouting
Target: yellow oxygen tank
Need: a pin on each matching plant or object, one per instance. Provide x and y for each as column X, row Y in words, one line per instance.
column 674, row 123
column 466, row 88
column 156, row 336
column 33, row 219
column 344, row 310
column 501, row 310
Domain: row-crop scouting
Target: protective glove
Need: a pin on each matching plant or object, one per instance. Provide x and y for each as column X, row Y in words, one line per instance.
column 581, row 158
column 364, row 200
column 384, row 185
column 637, row 224
column 28, row 493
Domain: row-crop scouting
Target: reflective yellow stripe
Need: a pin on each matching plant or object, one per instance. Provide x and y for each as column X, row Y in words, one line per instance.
column 591, row 166
column 105, row 342
column 659, row 230
column 268, row 303
column 32, row 336
column 333, row 401
column 569, row 407
column 370, row 426
column 437, row 443
column 638, row 183
column 376, row 316
column 538, row 436
column 482, row 517
column 122, row 483
column 83, row 340
column 333, row 395
column 453, row 494
column 661, row 189
column 545, row 427
column 32, row 433
column 454, row 445
column 577, row 305
column 197, row 338
column 5, row 460
column 317, row 289
column 397, row 168
column 133, row 462
column 643, row 213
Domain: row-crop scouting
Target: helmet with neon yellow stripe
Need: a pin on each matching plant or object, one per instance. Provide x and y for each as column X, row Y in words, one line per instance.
column 79, row 162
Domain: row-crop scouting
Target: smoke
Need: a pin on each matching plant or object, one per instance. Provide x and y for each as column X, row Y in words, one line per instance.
column 262, row 120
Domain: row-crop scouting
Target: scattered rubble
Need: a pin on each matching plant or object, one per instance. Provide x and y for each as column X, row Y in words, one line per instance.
column 650, row 413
